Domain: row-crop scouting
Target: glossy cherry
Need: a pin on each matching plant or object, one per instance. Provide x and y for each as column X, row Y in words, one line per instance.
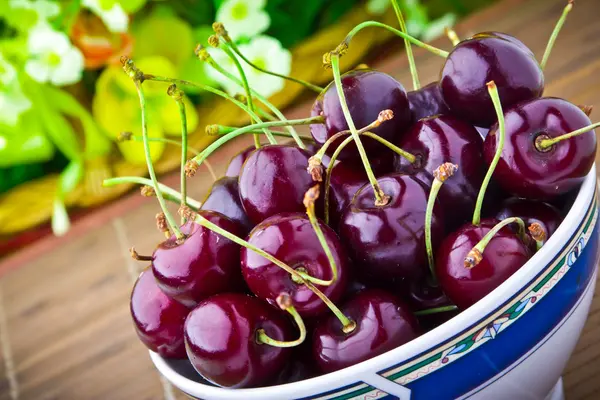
column 388, row 242
column 221, row 340
column 204, row 264
column 383, row 323
column 158, row 319
column 235, row 165
column 486, row 57
column 224, row 197
column 524, row 170
column 345, row 182
column 427, row 101
column 274, row 180
column 290, row 238
column 421, row 295
column 530, row 211
column 502, row 257
column 367, row 93
column 444, row 138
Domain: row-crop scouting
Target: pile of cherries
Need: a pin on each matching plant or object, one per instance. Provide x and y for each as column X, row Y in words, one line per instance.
column 304, row 260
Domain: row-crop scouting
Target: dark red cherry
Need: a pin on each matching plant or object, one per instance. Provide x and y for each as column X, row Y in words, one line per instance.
column 290, row 238
column 383, row 323
column 530, row 211
column 388, row 242
column 224, row 197
column 367, row 94
column 444, row 138
column 235, row 165
column 221, row 340
column 502, row 257
column 525, row 171
column 204, row 264
column 427, row 101
column 489, row 57
column 158, row 319
column 274, row 180
column 422, row 294
column 344, row 184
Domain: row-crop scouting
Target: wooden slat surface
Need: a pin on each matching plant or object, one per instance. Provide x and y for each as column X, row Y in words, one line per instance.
column 65, row 330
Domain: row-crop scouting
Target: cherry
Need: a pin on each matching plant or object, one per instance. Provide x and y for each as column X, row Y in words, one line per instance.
column 204, row 264
column 444, row 138
column 427, row 101
column 423, row 294
column 221, row 340
column 290, row 238
column 388, row 241
column 530, row 212
column 503, row 256
column 224, row 197
column 235, row 165
column 383, row 323
column 158, row 319
column 488, row 57
column 527, row 170
column 274, row 180
column 367, row 93
column 344, row 184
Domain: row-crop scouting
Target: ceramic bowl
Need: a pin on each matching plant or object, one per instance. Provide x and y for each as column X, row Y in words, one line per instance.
column 512, row 344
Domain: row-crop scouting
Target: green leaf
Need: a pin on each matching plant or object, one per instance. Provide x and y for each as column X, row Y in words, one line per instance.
column 132, row 6
column 60, row 218
column 292, row 21
column 70, row 177
column 24, row 143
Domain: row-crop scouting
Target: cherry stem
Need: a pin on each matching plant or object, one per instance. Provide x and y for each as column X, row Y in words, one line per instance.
column 328, row 174
column 309, row 202
column 381, row 198
column 285, row 303
column 475, row 256
column 168, row 193
column 452, row 36
column 308, row 85
column 435, row 310
column 203, row 55
column 137, row 76
column 125, row 136
column 246, row 87
column 555, row 32
column 538, row 234
column 493, row 91
column 342, row 48
column 409, row 52
column 441, row 174
column 138, row 257
column 223, row 130
column 177, row 95
column 543, row 142
column 348, row 325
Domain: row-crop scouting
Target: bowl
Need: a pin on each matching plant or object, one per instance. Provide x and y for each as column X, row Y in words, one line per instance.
column 512, row 344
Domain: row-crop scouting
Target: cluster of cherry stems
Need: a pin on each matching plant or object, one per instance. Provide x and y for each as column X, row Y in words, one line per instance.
column 215, row 298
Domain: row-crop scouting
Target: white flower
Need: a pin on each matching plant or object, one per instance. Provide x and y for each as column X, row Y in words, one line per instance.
column 12, row 100
column 44, row 9
column 243, row 17
column 263, row 51
column 52, row 57
column 115, row 18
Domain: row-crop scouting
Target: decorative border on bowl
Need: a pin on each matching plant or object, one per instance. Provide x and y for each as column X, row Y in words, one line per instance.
column 486, row 329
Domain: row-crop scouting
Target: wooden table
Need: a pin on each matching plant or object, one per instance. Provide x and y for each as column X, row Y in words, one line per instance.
column 65, row 329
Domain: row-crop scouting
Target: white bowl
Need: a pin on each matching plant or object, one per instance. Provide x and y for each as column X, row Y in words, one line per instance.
column 512, row 344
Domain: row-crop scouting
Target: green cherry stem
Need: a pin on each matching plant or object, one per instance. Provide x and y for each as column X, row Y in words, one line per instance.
column 310, row 197
column 555, row 32
column 220, row 30
column 493, row 91
column 409, row 53
column 343, row 47
column 330, row 167
column 193, row 163
column 544, row 142
column 219, row 130
column 452, row 36
column 168, row 193
column 435, row 310
column 381, row 198
column 475, row 256
column 176, row 94
column 285, row 303
column 138, row 86
column 348, row 325
column 441, row 174
column 205, row 56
